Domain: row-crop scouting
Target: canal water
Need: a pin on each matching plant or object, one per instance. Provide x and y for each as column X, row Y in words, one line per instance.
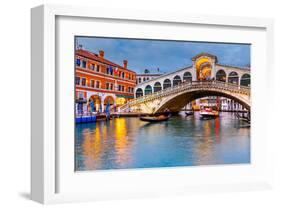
column 124, row 143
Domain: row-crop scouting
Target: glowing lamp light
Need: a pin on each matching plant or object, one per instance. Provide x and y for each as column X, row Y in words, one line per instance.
column 120, row 101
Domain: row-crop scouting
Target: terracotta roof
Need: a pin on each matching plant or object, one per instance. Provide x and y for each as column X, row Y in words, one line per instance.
column 93, row 56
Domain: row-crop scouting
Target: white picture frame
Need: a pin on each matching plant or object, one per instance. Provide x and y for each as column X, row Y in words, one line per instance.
column 51, row 180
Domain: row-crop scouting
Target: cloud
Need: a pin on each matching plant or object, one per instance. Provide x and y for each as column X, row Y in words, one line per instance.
column 166, row 55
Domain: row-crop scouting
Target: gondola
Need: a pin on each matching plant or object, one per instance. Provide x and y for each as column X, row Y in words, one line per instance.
column 189, row 113
column 155, row 118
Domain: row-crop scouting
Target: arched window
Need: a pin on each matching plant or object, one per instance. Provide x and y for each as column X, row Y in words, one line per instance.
column 109, row 100
column 139, row 93
column 157, row 87
column 148, row 90
column 95, row 103
column 176, row 80
column 245, row 80
column 187, row 77
column 167, row 83
column 95, row 98
column 108, row 103
column 233, row 78
column 221, row 76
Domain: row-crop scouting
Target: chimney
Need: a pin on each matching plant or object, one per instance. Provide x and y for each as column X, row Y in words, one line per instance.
column 125, row 62
column 101, row 53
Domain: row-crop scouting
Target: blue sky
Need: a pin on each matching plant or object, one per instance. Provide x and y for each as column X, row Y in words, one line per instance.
column 168, row 56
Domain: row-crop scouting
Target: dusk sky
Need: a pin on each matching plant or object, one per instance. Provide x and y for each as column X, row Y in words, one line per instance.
column 168, row 56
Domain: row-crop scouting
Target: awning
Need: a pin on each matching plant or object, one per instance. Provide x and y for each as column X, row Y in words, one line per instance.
column 124, row 96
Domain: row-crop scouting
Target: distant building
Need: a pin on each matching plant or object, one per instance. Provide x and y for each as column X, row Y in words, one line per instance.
column 100, row 81
column 230, row 105
column 222, row 103
column 147, row 75
column 209, row 101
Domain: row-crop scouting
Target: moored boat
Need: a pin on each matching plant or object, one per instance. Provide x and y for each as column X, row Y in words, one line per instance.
column 207, row 112
column 189, row 113
column 155, row 118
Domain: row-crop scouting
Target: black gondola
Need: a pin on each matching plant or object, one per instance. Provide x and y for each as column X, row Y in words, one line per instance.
column 155, row 118
column 189, row 113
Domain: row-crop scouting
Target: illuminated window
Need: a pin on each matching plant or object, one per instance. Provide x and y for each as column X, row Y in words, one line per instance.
column 120, row 101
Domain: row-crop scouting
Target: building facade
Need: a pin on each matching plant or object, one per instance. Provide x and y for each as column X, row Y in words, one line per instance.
column 147, row 76
column 100, row 82
column 222, row 103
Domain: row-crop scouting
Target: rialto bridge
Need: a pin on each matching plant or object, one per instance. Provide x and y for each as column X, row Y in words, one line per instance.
column 204, row 78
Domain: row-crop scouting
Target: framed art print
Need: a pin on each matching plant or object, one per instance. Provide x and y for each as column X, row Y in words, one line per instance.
column 138, row 104
column 165, row 113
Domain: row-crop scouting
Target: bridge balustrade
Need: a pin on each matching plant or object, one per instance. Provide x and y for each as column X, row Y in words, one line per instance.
column 191, row 85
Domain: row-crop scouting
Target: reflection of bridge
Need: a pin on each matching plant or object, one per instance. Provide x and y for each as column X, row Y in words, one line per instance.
column 174, row 98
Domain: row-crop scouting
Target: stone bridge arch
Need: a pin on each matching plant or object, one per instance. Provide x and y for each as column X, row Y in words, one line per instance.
column 177, row 102
column 176, row 97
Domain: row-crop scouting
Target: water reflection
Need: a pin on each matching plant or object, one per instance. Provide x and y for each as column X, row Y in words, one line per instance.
column 181, row 141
